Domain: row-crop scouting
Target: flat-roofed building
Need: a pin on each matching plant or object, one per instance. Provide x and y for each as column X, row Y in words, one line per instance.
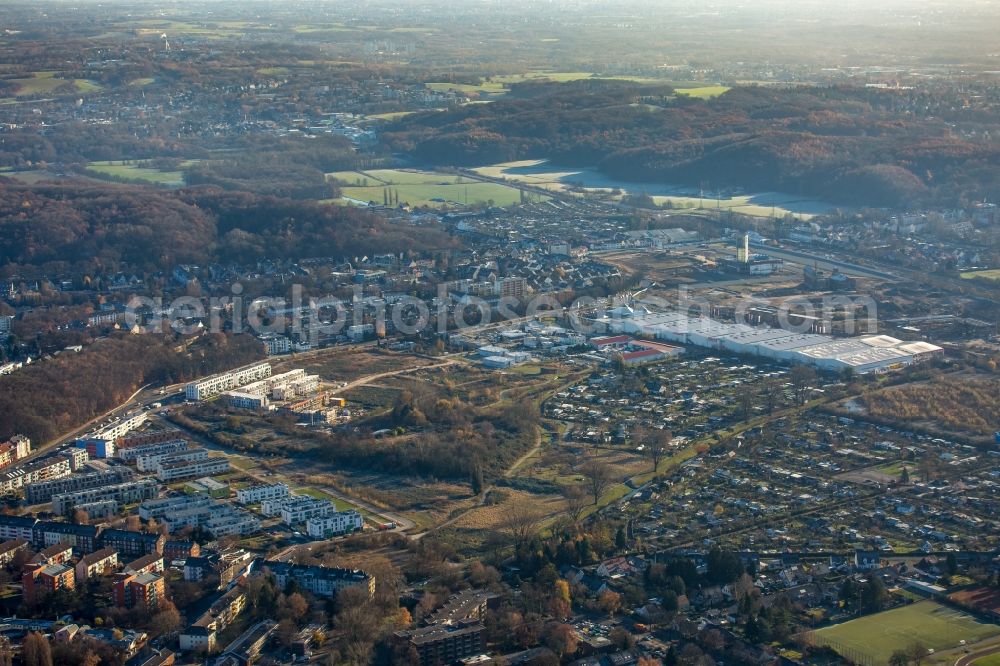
column 226, row 381
column 39, row 580
column 44, row 491
column 261, row 492
column 167, row 472
column 145, row 591
column 338, row 522
column 122, row 493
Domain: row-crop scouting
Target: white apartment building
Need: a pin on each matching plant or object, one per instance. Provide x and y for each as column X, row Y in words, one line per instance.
column 111, row 431
column 168, row 472
column 132, row 454
column 276, row 344
column 5, row 323
column 241, row 400
column 158, row 508
column 225, row 381
column 339, row 522
column 301, row 509
column 124, row 493
column 262, row 492
column 152, row 462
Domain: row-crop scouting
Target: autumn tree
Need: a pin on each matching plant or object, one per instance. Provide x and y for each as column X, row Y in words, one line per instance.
column 609, row 601
column 561, row 638
column 36, row 650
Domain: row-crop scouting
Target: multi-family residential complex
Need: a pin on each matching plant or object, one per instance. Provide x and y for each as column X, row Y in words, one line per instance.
column 286, row 386
column 97, row 563
column 142, row 590
column 218, row 517
column 51, row 467
column 77, row 458
column 301, row 509
column 122, row 493
column 338, row 522
column 201, row 635
column 185, row 469
column 226, row 381
column 444, row 643
column 133, row 453
column 44, row 491
column 17, row 527
column 262, row 492
column 99, row 509
column 14, row 449
column 151, row 462
column 146, row 438
column 10, row 548
column 100, row 442
column 130, row 543
column 83, row 538
column 40, row 579
column 321, row 581
column 151, row 563
column 59, row 553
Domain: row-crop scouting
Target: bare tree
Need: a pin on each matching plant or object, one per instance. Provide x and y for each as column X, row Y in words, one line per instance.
column 520, row 524
column 657, row 442
column 576, row 501
column 747, row 400
column 802, row 376
column 598, row 476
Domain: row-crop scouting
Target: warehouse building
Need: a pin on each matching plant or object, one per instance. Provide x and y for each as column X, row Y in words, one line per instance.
column 861, row 354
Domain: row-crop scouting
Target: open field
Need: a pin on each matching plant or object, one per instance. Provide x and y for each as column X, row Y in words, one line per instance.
column 133, row 171
column 876, row 636
column 703, row 92
column 992, row 274
column 496, row 86
column 423, row 188
column 966, row 404
column 992, row 660
column 542, row 174
column 46, row 83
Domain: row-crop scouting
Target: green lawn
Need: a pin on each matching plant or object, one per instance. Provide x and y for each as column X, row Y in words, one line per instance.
column 44, row 83
column 992, row 660
column 876, row 637
column 702, row 92
column 422, row 188
column 992, row 274
column 135, row 172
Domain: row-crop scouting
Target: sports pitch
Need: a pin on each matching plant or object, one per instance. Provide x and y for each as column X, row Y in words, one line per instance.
column 423, row 188
column 931, row 624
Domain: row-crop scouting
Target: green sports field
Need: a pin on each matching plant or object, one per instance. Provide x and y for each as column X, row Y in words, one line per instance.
column 877, row 636
column 423, row 188
column 133, row 171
